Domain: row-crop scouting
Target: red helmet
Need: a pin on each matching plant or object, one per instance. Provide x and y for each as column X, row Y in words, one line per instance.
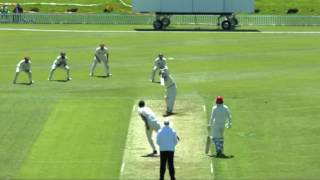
column 219, row 100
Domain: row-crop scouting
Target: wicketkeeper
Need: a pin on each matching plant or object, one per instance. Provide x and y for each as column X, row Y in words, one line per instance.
column 171, row 91
column 159, row 63
column 220, row 118
column 101, row 55
column 25, row 66
column 60, row 62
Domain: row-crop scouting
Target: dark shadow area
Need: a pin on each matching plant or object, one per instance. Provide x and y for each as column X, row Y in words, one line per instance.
column 156, row 82
column 102, row 76
column 170, row 114
column 198, row 30
column 222, row 157
column 24, row 84
column 60, row 80
column 150, row 155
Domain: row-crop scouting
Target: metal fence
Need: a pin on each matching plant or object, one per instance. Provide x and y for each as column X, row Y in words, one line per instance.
column 256, row 20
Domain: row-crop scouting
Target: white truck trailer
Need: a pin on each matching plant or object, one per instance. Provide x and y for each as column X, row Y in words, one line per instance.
column 164, row 9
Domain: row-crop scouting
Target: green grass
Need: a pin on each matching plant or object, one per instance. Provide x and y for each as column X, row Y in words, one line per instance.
column 306, row 7
column 77, row 129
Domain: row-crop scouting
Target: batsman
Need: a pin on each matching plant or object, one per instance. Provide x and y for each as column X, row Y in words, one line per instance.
column 171, row 91
column 220, row 118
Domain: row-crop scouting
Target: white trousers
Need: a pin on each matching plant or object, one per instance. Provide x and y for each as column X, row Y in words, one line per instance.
column 18, row 72
column 170, row 97
column 104, row 62
column 153, row 126
column 54, row 67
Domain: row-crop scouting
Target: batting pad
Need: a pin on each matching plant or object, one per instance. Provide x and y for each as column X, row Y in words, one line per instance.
column 190, row 159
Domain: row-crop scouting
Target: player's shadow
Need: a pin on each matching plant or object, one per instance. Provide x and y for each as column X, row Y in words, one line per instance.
column 102, row 76
column 60, row 80
column 24, row 84
column 198, row 30
column 222, row 157
column 150, row 156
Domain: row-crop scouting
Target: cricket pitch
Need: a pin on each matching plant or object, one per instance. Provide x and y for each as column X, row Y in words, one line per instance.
column 190, row 159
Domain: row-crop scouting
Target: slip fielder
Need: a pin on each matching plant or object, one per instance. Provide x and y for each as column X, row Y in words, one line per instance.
column 60, row 62
column 25, row 66
column 101, row 55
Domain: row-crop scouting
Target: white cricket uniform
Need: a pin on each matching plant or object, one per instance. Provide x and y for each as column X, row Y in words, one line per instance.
column 22, row 66
column 60, row 62
column 152, row 122
column 25, row 67
column 158, row 64
column 171, row 90
column 220, row 118
column 101, row 55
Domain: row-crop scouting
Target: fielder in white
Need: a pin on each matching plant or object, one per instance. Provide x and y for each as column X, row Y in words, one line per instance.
column 101, row 55
column 159, row 63
column 220, row 118
column 171, row 91
column 60, row 62
column 151, row 123
column 25, row 66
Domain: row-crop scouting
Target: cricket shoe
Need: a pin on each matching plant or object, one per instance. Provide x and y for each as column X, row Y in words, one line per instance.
column 109, row 75
column 69, row 79
column 90, row 74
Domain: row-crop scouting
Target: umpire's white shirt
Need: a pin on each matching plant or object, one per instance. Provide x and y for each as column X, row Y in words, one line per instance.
column 167, row 139
column 220, row 116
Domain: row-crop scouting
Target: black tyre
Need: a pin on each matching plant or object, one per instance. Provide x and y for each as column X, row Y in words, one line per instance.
column 165, row 21
column 157, row 25
column 226, row 25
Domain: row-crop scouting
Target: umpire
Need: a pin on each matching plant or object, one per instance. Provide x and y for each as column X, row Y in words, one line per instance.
column 167, row 140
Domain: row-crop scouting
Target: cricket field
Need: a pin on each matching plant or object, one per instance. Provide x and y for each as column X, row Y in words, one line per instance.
column 88, row 128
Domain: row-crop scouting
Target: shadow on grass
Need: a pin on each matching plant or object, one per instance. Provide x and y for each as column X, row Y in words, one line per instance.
column 24, row 84
column 222, row 157
column 60, row 80
column 197, row 30
column 102, row 76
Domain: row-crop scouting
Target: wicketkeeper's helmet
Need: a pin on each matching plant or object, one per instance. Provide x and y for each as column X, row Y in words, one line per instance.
column 219, row 100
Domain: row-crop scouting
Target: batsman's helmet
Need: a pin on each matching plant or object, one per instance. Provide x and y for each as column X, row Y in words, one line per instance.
column 219, row 100
column 62, row 53
column 160, row 55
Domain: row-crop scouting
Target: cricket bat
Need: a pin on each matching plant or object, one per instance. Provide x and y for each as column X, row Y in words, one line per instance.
column 161, row 81
column 208, row 145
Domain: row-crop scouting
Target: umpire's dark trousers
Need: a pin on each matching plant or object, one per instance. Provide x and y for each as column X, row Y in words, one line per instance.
column 167, row 156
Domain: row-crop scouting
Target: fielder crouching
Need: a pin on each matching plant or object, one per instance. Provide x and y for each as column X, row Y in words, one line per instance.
column 60, row 62
column 25, row 66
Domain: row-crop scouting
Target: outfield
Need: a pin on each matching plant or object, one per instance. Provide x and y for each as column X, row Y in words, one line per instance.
column 78, row 129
